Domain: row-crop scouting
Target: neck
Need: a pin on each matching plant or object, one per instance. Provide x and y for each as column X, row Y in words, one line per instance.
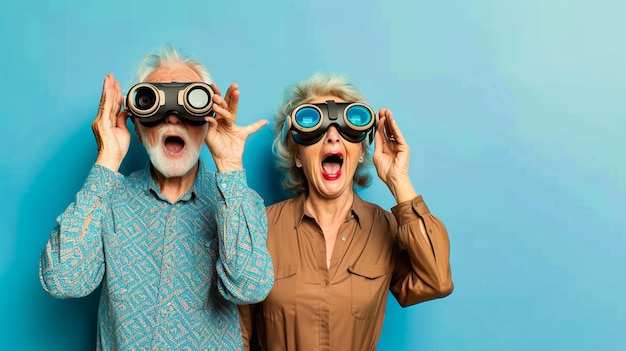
column 329, row 209
column 174, row 187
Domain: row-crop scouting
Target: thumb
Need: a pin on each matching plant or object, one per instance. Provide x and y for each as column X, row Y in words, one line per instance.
column 254, row 127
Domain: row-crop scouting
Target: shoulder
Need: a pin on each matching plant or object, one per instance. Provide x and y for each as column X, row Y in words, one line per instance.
column 369, row 207
column 285, row 207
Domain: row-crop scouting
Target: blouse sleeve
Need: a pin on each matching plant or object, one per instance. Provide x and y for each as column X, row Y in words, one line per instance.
column 422, row 271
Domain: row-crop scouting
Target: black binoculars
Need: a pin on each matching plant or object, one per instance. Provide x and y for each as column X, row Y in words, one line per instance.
column 150, row 103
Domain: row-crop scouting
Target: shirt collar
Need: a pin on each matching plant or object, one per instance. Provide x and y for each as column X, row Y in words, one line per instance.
column 153, row 188
column 358, row 209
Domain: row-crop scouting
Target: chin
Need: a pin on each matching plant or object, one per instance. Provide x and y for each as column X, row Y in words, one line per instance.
column 169, row 167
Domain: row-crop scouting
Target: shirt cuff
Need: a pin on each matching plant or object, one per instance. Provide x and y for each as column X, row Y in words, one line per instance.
column 233, row 186
column 406, row 211
column 101, row 180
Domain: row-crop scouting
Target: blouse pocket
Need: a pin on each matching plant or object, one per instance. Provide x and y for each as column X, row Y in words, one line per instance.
column 280, row 304
column 368, row 285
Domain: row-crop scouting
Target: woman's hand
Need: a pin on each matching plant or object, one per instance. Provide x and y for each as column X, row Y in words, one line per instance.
column 391, row 157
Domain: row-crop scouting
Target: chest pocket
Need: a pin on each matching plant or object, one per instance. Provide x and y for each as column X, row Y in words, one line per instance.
column 369, row 284
column 280, row 304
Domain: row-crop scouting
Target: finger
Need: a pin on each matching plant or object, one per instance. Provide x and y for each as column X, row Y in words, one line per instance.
column 112, row 90
column 119, row 99
column 212, row 122
column 104, row 110
column 223, row 115
column 379, row 138
column 120, row 121
column 254, row 127
column 102, row 96
column 232, row 100
column 216, row 89
column 229, row 93
column 383, row 124
column 219, row 101
column 390, row 134
column 395, row 129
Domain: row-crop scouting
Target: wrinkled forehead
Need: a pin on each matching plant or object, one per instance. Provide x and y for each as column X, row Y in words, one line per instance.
column 177, row 73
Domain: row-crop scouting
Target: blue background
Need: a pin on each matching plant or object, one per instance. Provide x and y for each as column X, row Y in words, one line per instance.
column 514, row 111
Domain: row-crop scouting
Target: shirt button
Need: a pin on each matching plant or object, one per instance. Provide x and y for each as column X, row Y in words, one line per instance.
column 343, row 238
column 325, row 283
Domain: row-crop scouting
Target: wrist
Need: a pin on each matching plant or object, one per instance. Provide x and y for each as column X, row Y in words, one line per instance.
column 226, row 166
column 402, row 189
column 111, row 162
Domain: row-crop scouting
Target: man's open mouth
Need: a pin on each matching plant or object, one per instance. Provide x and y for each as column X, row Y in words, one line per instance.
column 174, row 144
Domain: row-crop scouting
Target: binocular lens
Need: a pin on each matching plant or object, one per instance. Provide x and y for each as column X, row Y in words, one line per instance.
column 145, row 98
column 307, row 117
column 198, row 98
column 359, row 115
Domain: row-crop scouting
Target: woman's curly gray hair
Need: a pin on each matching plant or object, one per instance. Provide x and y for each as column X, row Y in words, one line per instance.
column 319, row 84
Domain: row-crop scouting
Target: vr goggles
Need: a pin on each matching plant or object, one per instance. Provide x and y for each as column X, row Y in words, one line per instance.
column 150, row 103
column 309, row 122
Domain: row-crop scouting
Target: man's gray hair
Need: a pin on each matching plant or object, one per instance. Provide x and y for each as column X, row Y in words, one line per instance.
column 166, row 55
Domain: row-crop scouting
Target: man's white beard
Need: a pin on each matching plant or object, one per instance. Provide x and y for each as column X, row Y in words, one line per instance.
column 173, row 167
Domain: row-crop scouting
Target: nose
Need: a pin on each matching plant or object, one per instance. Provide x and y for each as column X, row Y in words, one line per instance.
column 172, row 118
column 332, row 135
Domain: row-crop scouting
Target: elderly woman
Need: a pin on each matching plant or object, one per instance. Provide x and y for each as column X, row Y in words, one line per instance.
column 335, row 255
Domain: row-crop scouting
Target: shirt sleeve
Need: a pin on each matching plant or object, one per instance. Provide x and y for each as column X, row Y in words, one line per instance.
column 72, row 263
column 422, row 270
column 244, row 266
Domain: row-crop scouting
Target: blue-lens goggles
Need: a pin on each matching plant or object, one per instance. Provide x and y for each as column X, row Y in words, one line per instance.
column 308, row 123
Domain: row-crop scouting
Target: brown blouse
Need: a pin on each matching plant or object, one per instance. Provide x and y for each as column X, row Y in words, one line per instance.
column 312, row 307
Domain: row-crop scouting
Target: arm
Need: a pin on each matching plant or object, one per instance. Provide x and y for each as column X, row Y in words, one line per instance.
column 244, row 266
column 422, row 264
column 72, row 263
column 422, row 270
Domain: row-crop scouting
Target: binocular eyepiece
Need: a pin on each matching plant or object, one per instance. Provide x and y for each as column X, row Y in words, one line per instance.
column 150, row 103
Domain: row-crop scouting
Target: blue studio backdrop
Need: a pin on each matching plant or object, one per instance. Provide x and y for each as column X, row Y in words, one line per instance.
column 514, row 111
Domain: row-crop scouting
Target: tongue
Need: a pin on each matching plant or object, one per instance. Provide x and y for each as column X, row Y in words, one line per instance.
column 331, row 167
column 174, row 145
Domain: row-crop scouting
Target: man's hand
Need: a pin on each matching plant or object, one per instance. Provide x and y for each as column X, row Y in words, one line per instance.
column 225, row 139
column 109, row 127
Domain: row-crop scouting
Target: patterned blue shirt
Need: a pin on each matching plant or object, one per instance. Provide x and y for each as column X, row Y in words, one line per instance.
column 172, row 274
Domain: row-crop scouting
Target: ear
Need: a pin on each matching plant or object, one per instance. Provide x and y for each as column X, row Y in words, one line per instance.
column 298, row 161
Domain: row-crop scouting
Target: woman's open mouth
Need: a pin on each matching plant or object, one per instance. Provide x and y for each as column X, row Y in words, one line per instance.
column 331, row 166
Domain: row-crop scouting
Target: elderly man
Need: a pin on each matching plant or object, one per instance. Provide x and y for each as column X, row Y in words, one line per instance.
column 175, row 246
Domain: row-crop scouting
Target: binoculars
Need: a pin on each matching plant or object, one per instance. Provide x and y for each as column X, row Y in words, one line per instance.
column 308, row 123
column 150, row 103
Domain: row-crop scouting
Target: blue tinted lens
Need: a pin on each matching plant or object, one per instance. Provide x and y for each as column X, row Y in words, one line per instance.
column 307, row 117
column 359, row 116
